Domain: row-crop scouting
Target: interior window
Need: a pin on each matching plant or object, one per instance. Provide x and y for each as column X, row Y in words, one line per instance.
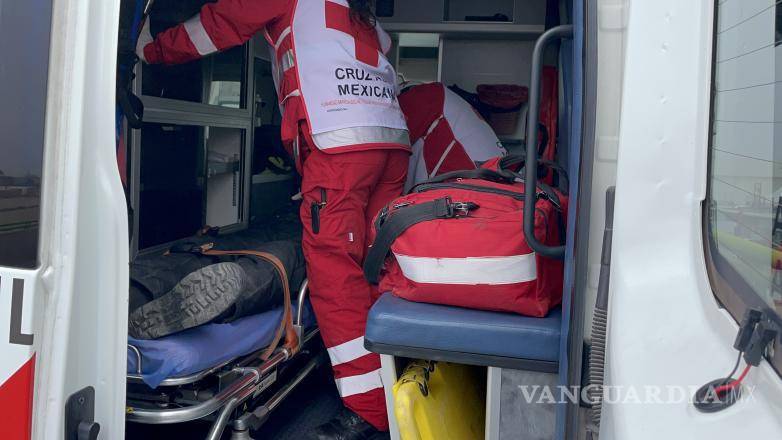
column 216, row 80
column 419, row 57
column 744, row 204
column 22, row 117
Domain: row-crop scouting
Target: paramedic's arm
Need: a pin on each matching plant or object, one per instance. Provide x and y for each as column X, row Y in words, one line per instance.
column 421, row 107
column 219, row 26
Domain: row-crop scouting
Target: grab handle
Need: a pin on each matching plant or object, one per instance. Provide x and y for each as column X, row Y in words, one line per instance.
column 531, row 176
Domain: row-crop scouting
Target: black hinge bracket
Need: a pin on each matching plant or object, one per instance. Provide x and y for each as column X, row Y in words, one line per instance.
column 80, row 416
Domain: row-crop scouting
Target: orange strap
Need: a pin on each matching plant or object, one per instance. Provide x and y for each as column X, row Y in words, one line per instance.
column 286, row 326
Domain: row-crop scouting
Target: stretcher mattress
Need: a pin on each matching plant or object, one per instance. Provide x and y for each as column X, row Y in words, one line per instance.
column 207, row 346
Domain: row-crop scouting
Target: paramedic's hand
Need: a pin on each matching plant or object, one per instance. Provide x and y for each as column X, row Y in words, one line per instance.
column 144, row 38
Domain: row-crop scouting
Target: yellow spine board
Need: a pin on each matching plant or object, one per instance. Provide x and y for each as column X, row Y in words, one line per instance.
column 447, row 403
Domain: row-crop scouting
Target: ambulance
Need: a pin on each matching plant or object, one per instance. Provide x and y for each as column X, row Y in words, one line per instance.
column 662, row 115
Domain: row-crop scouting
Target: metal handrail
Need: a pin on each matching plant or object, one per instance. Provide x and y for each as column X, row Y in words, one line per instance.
column 179, row 380
column 531, row 167
column 250, row 377
column 137, row 352
column 303, row 290
column 238, row 388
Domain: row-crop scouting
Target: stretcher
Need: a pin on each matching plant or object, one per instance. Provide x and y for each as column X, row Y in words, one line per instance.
column 215, row 373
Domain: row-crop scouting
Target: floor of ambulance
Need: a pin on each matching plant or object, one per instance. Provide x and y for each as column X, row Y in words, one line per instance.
column 314, row 402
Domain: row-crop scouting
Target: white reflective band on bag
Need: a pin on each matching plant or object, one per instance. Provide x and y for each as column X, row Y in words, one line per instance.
column 361, row 135
column 347, row 351
column 442, row 158
column 469, row 270
column 352, row 385
column 198, row 36
column 291, row 94
column 285, row 32
column 432, row 127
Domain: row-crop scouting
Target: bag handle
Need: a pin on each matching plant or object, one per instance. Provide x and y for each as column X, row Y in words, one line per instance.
column 514, row 163
column 554, row 34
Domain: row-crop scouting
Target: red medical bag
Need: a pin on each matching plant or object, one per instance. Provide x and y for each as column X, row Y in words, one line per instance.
column 458, row 240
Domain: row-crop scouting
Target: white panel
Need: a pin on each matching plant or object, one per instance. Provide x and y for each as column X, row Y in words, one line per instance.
column 469, row 63
column 419, row 40
column 222, row 190
column 749, row 36
column 493, row 401
column 389, row 376
column 611, row 53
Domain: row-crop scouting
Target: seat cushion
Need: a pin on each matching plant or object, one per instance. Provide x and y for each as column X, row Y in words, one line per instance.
column 403, row 328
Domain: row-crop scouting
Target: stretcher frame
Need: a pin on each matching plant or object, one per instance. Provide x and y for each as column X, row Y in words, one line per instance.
column 252, row 376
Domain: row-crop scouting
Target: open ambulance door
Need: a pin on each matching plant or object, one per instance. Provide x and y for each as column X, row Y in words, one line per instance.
column 695, row 241
column 63, row 223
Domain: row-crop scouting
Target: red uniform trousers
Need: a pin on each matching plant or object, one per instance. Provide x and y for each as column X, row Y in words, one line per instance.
column 349, row 189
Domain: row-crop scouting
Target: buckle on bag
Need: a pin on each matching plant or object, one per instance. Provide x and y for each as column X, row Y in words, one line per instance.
column 446, row 208
column 464, row 208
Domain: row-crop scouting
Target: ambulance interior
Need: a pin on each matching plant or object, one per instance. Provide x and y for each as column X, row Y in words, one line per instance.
column 209, row 153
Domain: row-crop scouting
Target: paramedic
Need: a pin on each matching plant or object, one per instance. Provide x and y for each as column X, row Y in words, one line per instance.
column 343, row 125
column 447, row 133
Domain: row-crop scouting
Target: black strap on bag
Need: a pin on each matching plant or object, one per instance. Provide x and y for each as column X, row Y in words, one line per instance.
column 514, row 163
column 391, row 225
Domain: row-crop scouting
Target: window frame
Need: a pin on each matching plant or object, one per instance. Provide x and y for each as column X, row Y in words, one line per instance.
column 180, row 112
column 736, row 297
column 202, row 107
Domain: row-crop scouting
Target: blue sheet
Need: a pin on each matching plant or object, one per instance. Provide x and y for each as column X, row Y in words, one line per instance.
column 207, row 346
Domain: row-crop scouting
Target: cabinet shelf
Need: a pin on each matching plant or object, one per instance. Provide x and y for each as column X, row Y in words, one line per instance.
column 470, row 29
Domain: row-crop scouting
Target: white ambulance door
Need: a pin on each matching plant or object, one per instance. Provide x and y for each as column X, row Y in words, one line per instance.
column 63, row 221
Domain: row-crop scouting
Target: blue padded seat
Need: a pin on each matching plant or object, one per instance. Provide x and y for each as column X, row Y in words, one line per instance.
column 403, row 328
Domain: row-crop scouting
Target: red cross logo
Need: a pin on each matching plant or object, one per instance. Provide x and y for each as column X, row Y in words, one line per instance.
column 367, row 44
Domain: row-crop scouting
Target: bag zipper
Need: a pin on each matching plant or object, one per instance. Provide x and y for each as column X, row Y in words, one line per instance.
column 432, row 186
column 540, row 194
